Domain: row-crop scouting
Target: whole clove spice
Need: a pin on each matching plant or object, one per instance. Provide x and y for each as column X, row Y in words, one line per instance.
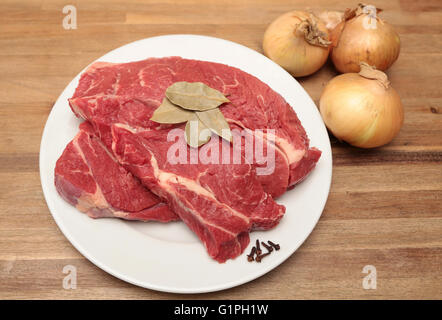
column 269, row 248
column 258, row 248
column 260, row 257
column 274, row 245
column 250, row 256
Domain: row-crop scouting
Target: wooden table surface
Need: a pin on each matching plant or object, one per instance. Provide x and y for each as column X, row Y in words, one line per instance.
column 385, row 205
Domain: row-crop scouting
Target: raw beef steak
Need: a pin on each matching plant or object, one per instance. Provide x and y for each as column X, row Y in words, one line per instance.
column 88, row 177
column 221, row 203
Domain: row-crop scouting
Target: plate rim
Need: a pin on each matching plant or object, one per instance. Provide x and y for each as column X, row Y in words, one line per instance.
column 230, row 284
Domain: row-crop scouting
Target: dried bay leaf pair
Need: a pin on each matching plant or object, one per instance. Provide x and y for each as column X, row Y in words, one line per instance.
column 197, row 104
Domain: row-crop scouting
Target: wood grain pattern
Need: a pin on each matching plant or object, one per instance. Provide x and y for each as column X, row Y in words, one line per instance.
column 385, row 205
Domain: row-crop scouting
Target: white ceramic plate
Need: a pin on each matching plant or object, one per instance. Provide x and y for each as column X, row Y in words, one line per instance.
column 168, row 257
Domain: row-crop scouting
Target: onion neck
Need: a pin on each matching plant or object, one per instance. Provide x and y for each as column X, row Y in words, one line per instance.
column 362, row 8
column 312, row 34
column 371, row 73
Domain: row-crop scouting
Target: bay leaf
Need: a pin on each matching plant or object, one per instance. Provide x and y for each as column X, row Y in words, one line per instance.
column 194, row 128
column 167, row 112
column 195, row 96
column 215, row 121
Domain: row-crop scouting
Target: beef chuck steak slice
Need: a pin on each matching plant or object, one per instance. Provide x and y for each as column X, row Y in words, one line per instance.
column 88, row 177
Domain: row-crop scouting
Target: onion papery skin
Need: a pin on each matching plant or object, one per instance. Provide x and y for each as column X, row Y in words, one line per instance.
column 378, row 47
column 289, row 49
column 361, row 111
column 331, row 18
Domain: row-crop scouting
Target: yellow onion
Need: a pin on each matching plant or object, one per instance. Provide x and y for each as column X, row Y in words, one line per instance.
column 298, row 42
column 362, row 108
column 363, row 36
